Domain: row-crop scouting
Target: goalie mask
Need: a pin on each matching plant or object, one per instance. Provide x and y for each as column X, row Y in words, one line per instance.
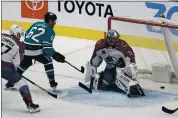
column 112, row 37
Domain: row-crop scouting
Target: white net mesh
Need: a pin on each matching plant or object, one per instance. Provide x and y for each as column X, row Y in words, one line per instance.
column 147, row 40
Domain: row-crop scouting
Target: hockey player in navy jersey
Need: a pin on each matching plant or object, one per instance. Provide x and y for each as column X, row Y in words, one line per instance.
column 12, row 53
column 39, row 46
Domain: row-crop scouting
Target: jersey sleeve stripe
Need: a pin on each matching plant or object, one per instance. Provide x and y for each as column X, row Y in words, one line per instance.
column 44, row 42
column 31, row 43
column 47, row 47
column 50, row 46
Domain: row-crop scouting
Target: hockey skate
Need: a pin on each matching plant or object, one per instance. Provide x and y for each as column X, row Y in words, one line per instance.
column 53, row 84
column 33, row 108
column 9, row 85
column 60, row 93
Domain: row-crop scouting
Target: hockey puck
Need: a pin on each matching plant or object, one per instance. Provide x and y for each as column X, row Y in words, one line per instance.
column 162, row 87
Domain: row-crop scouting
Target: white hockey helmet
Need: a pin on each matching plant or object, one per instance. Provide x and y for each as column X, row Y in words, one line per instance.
column 17, row 31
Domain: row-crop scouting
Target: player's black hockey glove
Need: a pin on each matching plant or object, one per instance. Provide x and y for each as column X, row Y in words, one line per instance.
column 59, row 57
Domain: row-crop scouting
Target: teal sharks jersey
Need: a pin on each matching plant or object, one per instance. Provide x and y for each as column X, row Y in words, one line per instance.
column 40, row 34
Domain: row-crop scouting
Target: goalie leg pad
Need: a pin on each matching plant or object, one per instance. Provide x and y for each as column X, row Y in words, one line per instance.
column 96, row 81
column 128, row 85
column 90, row 72
column 135, row 90
column 122, row 81
column 130, row 71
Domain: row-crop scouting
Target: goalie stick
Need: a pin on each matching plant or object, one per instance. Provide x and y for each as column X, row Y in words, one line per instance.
column 85, row 87
column 169, row 111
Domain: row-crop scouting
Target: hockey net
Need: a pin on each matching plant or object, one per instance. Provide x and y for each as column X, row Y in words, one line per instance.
column 154, row 40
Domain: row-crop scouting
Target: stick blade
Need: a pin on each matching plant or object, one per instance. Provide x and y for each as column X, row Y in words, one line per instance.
column 61, row 93
column 53, row 95
column 82, row 69
column 168, row 110
column 84, row 87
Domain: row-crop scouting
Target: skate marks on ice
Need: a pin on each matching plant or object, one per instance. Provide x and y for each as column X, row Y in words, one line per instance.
column 59, row 92
column 116, row 99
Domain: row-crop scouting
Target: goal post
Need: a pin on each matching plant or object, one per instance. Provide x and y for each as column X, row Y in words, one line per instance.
column 154, row 40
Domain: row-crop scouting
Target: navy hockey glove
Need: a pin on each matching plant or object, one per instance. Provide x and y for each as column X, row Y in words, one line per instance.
column 59, row 57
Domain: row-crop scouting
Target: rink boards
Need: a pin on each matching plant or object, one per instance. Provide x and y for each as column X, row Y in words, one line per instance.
column 135, row 41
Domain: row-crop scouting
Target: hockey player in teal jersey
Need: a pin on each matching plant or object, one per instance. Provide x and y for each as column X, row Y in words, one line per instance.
column 38, row 46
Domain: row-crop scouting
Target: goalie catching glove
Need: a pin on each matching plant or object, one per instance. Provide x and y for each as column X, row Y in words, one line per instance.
column 59, row 57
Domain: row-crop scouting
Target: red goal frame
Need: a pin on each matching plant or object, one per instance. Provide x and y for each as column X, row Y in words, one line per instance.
column 131, row 20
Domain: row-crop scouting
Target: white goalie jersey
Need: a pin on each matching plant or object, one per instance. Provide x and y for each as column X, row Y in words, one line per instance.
column 10, row 50
column 120, row 69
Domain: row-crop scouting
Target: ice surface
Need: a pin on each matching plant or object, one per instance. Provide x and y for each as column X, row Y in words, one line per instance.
column 68, row 78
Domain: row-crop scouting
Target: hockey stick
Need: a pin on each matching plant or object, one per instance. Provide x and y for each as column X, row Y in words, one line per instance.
column 81, row 70
column 169, row 111
column 53, row 95
column 85, row 87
